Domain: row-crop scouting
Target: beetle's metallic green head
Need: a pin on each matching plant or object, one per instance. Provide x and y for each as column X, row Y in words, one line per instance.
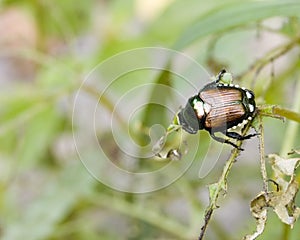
column 188, row 119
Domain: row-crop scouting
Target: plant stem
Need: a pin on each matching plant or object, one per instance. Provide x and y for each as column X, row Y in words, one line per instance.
column 291, row 115
column 220, row 185
column 269, row 57
column 262, row 156
column 278, row 112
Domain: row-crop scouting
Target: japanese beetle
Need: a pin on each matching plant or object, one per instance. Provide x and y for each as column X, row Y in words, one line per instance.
column 219, row 106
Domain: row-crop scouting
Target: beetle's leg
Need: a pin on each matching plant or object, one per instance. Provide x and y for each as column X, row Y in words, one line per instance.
column 222, row 140
column 238, row 136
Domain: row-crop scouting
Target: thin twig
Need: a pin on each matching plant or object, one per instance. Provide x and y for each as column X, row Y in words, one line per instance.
column 206, row 221
column 220, row 185
column 262, row 156
column 278, row 112
column 272, row 55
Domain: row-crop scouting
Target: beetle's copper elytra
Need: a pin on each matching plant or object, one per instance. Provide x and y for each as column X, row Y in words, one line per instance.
column 219, row 107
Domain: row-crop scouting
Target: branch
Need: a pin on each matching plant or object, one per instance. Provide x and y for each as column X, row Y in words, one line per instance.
column 216, row 188
column 269, row 57
column 278, row 112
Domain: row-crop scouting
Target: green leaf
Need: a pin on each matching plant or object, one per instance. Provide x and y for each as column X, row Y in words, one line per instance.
column 38, row 136
column 58, row 196
column 16, row 109
column 234, row 15
column 168, row 26
column 158, row 94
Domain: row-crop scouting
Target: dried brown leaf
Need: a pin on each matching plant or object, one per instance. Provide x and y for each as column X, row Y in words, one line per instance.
column 283, row 201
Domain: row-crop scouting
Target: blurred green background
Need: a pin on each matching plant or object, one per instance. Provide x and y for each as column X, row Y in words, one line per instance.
column 48, row 47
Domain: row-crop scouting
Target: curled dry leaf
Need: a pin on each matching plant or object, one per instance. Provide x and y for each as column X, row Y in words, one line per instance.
column 282, row 201
column 281, row 165
column 259, row 212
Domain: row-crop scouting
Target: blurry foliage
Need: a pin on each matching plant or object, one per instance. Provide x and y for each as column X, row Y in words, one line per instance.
column 46, row 193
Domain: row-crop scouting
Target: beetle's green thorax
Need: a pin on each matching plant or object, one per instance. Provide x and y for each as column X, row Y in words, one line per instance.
column 249, row 102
